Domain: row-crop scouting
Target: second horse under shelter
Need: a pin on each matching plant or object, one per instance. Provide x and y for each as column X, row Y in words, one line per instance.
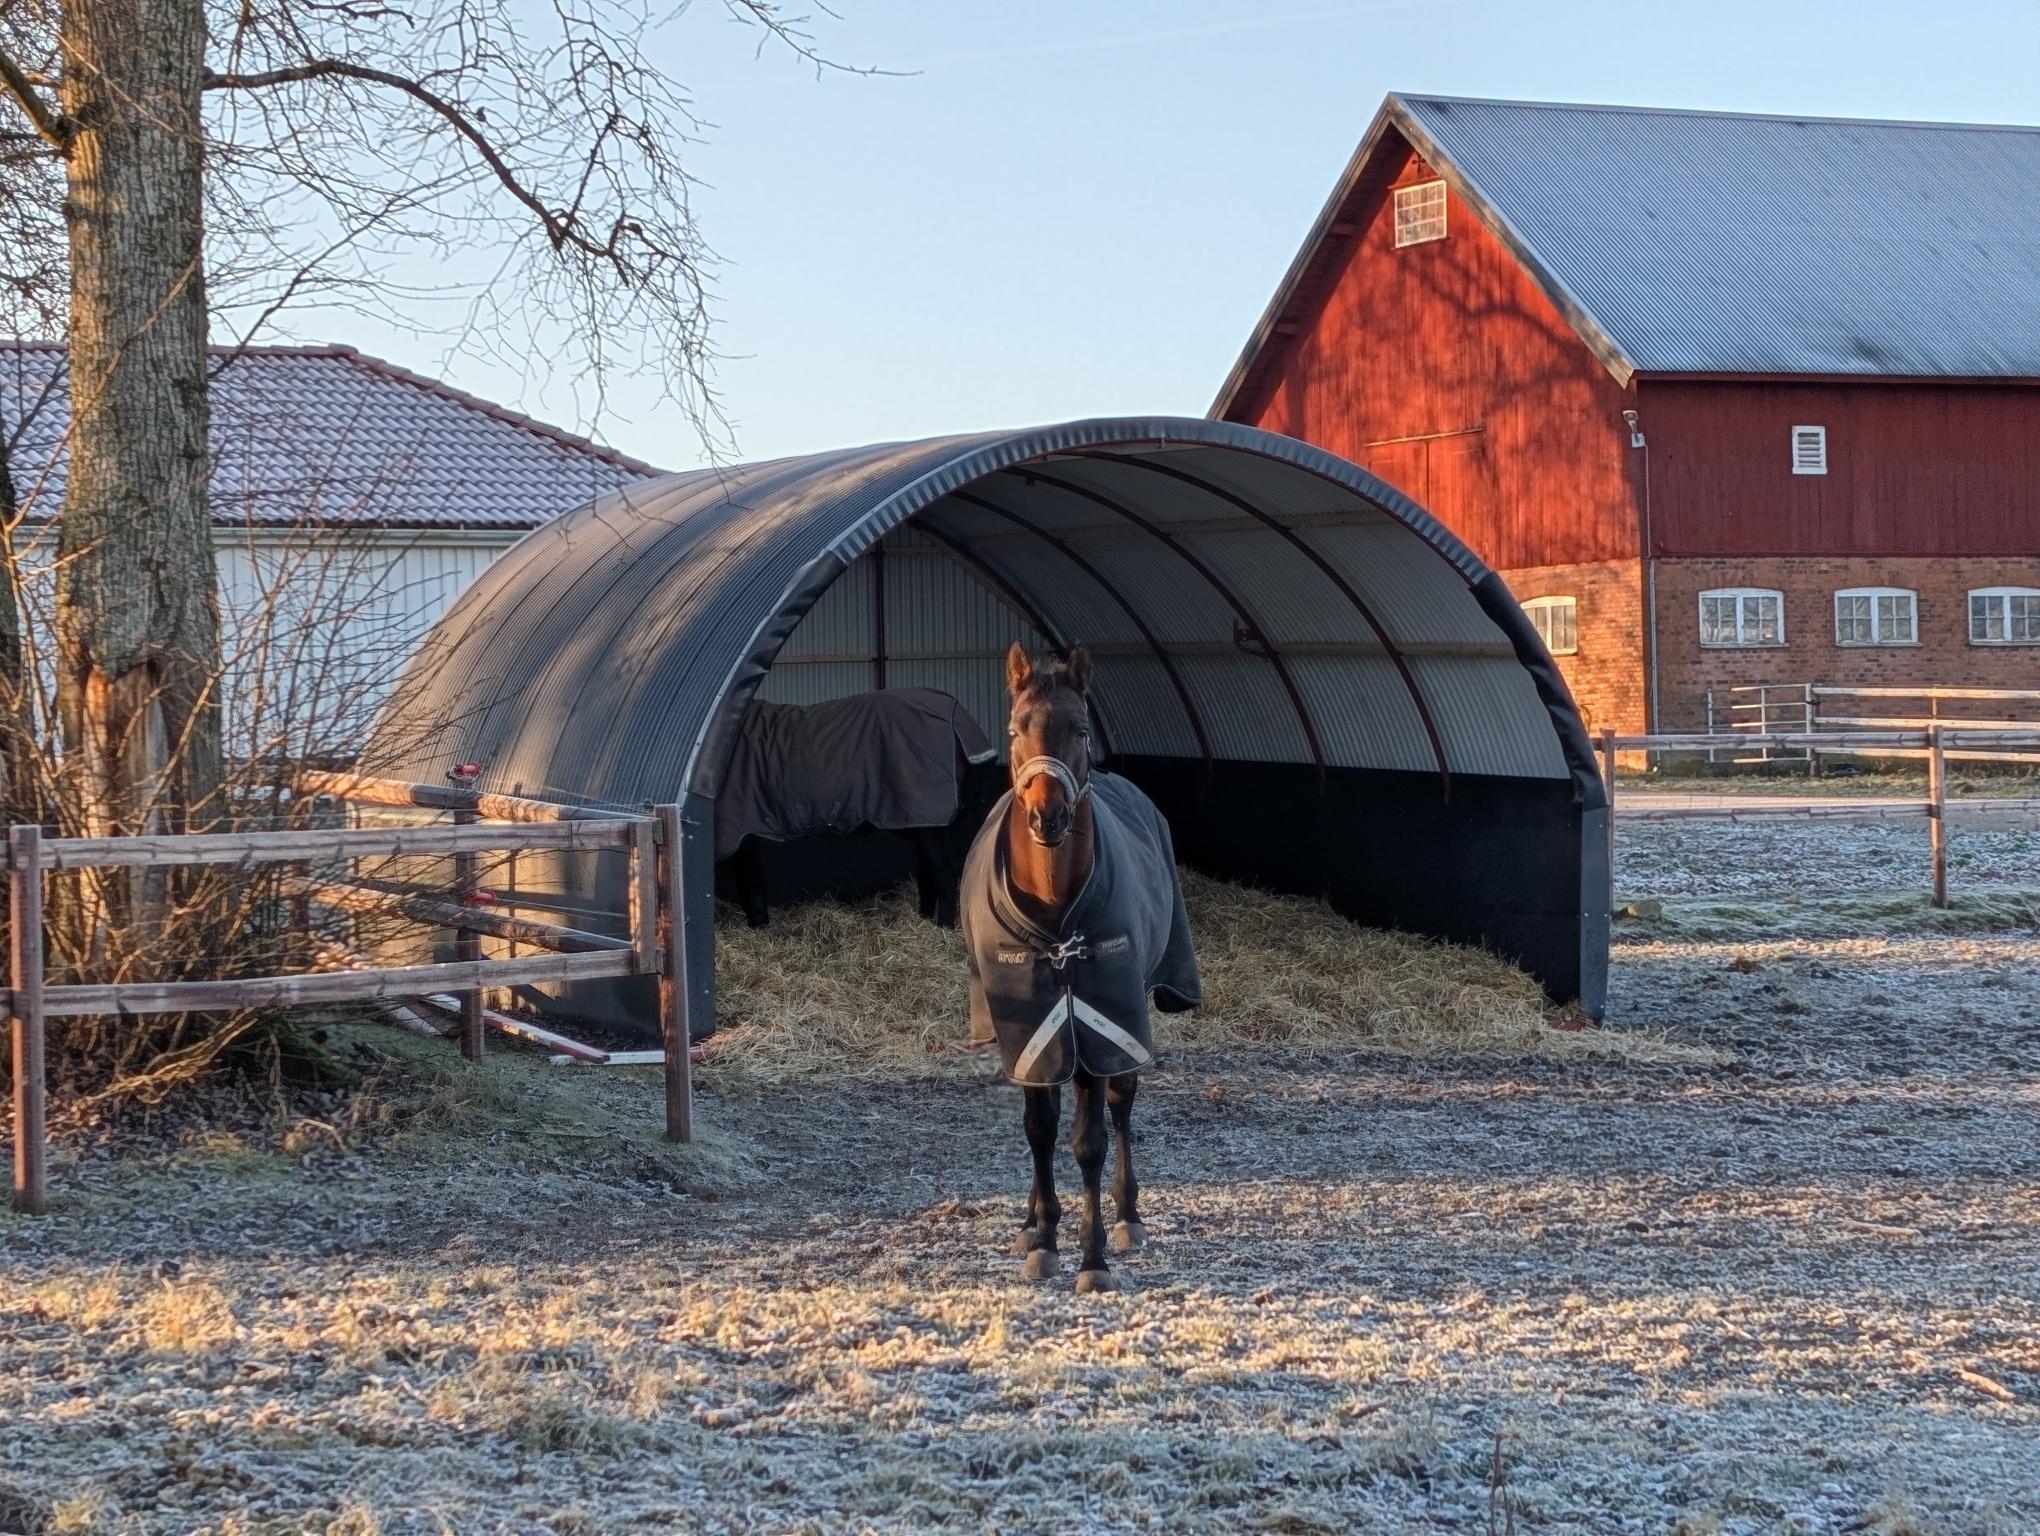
column 1324, row 691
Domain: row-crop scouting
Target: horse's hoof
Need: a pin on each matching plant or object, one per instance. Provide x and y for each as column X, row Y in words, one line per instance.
column 1128, row 1235
column 1041, row 1265
column 1089, row 1280
column 1024, row 1243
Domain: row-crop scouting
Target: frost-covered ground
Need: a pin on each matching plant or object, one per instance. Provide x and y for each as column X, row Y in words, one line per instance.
column 1798, row 1293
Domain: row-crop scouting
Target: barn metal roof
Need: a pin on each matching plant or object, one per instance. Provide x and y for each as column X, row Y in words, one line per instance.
column 1253, row 598
column 1721, row 242
column 326, row 436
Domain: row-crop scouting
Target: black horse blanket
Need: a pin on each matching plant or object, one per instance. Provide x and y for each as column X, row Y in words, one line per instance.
column 1055, row 1001
column 888, row 760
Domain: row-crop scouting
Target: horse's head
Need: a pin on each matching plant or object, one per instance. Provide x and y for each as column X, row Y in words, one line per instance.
column 1049, row 734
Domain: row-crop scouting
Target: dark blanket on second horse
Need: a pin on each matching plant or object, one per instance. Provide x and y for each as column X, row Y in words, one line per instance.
column 891, row 760
column 1057, row 1000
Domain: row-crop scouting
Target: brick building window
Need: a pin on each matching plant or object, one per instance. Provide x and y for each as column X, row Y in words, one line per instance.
column 1876, row 616
column 1419, row 213
column 2004, row 616
column 1742, row 616
column 1557, row 622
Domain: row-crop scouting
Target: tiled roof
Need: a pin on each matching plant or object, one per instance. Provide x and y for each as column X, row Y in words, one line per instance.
column 324, row 435
column 1731, row 243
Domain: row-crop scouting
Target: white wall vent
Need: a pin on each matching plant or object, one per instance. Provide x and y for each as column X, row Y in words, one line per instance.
column 1419, row 213
column 1809, row 450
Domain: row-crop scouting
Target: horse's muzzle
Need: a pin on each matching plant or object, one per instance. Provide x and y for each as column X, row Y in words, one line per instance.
column 1049, row 825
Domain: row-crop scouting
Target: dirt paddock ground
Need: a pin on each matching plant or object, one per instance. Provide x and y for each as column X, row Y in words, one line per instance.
column 1796, row 1290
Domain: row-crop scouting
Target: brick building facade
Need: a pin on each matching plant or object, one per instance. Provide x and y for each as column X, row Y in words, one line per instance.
column 1793, row 452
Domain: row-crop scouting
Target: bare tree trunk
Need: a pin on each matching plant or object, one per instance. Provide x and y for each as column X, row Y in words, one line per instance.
column 138, row 603
column 19, row 799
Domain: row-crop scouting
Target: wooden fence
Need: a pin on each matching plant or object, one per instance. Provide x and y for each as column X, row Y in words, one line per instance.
column 1937, row 743
column 1750, row 712
column 651, row 841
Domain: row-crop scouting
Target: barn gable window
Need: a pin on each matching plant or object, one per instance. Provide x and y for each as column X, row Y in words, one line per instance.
column 1557, row 623
column 1809, row 450
column 1745, row 616
column 2004, row 616
column 1876, row 616
column 1419, row 213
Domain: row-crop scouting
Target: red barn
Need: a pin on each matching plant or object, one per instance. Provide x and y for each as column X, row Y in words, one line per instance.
column 1727, row 399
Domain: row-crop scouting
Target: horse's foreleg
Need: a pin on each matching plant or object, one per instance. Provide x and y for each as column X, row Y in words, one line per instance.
column 1042, row 1112
column 1129, row 1233
column 1087, row 1141
column 929, row 873
column 748, row 865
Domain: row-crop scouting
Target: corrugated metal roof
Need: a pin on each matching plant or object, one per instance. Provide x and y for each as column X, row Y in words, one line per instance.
column 326, row 436
column 610, row 654
column 1719, row 242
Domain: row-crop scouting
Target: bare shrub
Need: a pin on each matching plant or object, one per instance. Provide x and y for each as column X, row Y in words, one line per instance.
column 320, row 615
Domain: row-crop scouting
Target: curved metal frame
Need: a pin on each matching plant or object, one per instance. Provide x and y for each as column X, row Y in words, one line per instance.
column 1125, row 607
column 1331, row 572
column 1003, row 587
column 1246, row 617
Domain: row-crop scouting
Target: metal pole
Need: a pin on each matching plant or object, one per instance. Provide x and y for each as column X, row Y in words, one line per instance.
column 1608, row 778
column 673, row 978
column 1937, row 812
column 25, row 911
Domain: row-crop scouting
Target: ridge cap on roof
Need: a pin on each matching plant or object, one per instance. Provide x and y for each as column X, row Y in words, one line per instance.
column 1408, row 97
column 559, row 436
column 213, row 349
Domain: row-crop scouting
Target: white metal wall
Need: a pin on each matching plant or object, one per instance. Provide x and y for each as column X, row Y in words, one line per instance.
column 944, row 628
column 317, row 625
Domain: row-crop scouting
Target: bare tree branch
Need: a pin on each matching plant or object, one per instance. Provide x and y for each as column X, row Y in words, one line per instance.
column 48, row 121
column 558, row 229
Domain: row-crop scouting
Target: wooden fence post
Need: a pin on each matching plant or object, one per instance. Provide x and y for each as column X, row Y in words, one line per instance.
column 1937, row 812
column 467, row 942
column 644, row 895
column 1813, row 762
column 673, row 978
column 25, row 904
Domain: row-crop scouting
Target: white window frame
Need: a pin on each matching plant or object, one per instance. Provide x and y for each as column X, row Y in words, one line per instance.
column 1534, row 606
column 1417, row 221
column 1818, row 463
column 1744, row 598
column 1877, row 635
column 2002, row 596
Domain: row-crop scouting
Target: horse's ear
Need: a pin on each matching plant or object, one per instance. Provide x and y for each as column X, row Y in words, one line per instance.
column 1078, row 667
column 1019, row 669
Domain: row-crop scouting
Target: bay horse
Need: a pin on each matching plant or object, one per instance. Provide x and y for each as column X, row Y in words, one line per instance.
column 1065, row 945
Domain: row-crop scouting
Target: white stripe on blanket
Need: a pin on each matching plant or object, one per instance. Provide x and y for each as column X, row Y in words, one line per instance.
column 1096, row 1021
column 1044, row 1033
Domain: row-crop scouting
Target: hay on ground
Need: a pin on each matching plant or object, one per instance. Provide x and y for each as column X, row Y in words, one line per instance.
column 868, row 989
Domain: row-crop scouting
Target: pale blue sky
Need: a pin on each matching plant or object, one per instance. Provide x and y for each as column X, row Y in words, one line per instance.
column 1076, row 209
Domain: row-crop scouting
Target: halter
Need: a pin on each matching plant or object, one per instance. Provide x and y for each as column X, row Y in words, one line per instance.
column 1056, row 769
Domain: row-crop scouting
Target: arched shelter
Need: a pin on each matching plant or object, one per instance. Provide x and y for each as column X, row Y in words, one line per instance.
column 1321, row 687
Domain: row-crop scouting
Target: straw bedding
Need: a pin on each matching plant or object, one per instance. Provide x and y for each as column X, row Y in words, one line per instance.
column 868, row 989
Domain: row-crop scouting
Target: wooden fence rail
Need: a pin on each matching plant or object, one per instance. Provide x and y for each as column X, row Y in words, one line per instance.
column 650, row 841
column 1939, row 744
